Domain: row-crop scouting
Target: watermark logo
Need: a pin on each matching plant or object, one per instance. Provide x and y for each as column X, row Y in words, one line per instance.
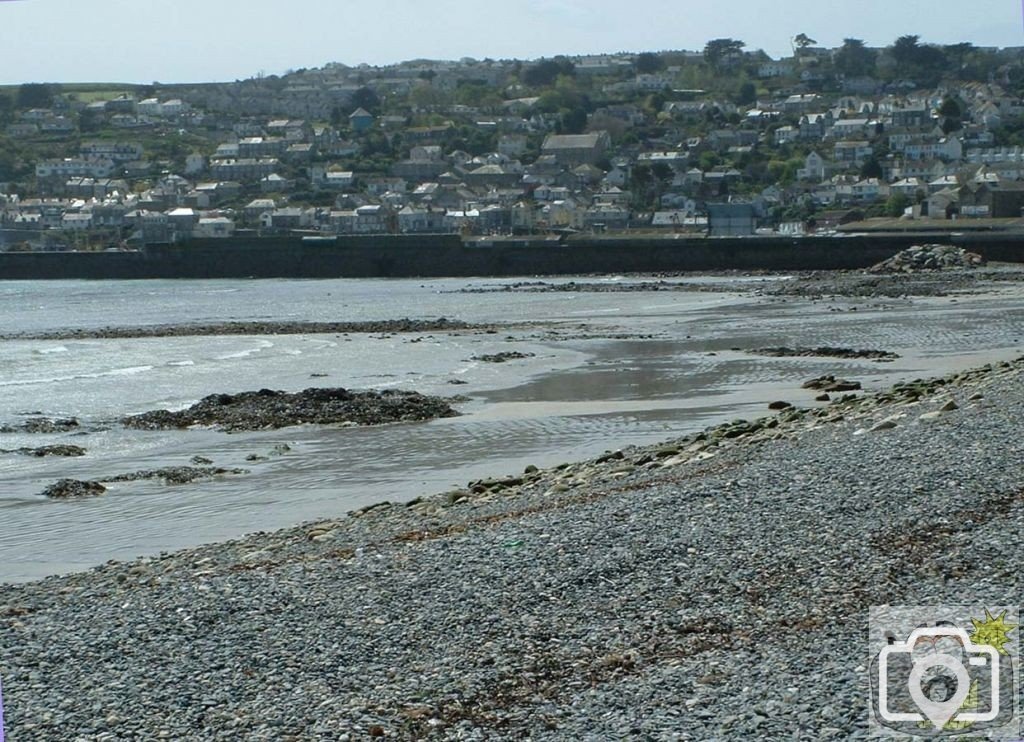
column 943, row 672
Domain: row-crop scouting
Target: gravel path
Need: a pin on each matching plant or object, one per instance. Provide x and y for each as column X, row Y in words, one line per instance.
column 715, row 587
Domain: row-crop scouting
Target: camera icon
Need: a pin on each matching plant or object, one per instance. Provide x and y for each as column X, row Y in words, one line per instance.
column 944, row 667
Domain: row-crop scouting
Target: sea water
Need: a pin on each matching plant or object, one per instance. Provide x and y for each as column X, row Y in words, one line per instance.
column 589, row 386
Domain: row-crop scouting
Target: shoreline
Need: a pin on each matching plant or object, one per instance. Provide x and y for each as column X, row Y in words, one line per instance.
column 554, row 525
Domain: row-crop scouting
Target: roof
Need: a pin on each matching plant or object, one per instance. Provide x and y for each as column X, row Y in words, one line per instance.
column 573, row 141
column 360, row 113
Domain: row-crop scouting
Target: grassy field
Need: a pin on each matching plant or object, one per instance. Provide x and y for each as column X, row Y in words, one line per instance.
column 87, row 92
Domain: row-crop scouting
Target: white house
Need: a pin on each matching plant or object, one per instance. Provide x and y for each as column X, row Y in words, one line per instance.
column 814, row 168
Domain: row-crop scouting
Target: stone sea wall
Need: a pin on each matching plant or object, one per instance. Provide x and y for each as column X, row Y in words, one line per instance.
column 407, row 256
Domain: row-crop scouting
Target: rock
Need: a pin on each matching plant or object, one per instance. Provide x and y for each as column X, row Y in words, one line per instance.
column 928, row 258
column 827, row 352
column 977, row 397
column 950, row 406
column 177, row 474
column 43, row 425
column 883, row 425
column 201, row 461
column 779, row 406
column 502, row 357
column 268, row 410
column 43, row 451
column 823, row 398
column 930, row 416
column 831, row 384
column 67, row 489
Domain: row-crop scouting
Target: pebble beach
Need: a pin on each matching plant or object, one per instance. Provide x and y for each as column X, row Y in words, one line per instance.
column 711, row 587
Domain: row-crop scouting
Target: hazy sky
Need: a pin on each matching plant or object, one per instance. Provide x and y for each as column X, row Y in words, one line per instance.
column 199, row 40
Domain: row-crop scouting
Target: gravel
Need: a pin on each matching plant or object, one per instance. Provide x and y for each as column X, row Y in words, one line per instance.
column 714, row 587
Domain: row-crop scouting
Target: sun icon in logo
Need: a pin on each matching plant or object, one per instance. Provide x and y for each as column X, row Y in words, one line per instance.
column 994, row 631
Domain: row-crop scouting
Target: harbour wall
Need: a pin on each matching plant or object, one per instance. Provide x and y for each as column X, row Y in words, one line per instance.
column 409, row 256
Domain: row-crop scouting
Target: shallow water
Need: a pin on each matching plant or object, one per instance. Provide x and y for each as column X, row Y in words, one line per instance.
column 576, row 398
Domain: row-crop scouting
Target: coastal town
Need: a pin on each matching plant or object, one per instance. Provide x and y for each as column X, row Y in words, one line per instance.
column 723, row 141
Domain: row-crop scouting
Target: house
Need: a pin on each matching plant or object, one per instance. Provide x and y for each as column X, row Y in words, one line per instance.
column 412, row 220
column 770, row 70
column 786, row 134
column 943, row 204
column 853, row 152
column 731, row 220
column 194, row 164
column 256, row 208
column 800, row 103
column 368, row 219
column 218, row 227
column 998, row 201
column 600, row 217
column 869, row 189
column 361, row 120
column 275, row 183
column 908, row 187
column 813, row 126
column 244, row 169
column 852, row 128
column 182, row 222
column 333, row 180
column 116, row 151
column 949, row 149
column 814, row 168
column 288, row 218
column 512, row 145
column 100, row 167
column 571, row 150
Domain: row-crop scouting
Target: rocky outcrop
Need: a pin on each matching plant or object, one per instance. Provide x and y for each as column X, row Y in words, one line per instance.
column 827, row 352
column 929, row 258
column 268, row 410
column 43, row 425
column 395, row 326
column 177, row 474
column 513, row 355
column 42, row 451
column 832, row 384
column 68, row 489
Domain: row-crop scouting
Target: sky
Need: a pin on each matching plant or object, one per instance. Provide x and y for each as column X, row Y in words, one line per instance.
column 220, row 40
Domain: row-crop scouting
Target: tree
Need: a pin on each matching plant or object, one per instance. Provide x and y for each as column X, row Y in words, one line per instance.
column 925, row 64
column 36, row 95
column 545, row 73
column 896, row 204
column 89, row 121
column 950, row 108
column 718, row 52
column 747, row 94
column 905, row 49
column 801, row 41
column 871, row 169
column 853, row 59
column 366, row 99
column 647, row 63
